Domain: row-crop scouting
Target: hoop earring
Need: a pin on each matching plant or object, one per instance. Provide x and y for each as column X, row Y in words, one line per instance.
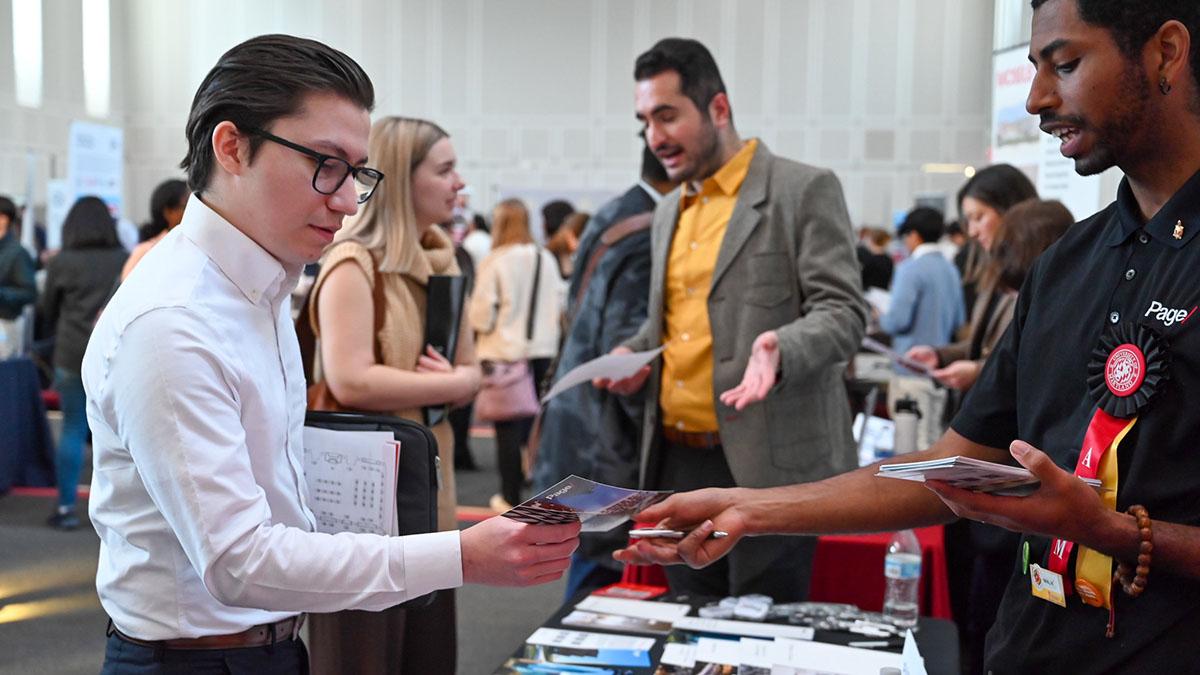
column 1164, row 86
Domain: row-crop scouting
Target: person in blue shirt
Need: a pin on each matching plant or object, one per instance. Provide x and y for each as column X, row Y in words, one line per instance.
column 927, row 300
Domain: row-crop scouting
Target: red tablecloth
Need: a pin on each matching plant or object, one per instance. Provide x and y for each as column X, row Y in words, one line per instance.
column 849, row 568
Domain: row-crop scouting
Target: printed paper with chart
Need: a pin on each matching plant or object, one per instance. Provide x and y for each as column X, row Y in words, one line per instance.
column 351, row 477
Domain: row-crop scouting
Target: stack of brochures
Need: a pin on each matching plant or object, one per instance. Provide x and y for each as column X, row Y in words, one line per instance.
column 971, row 474
column 643, row 637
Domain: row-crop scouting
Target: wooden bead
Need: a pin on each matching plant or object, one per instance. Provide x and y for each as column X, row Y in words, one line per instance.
column 1134, row 587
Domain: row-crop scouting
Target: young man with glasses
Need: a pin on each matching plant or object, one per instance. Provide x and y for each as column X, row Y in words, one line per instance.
column 196, row 395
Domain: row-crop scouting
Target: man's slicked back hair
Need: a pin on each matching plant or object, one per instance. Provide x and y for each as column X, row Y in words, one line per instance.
column 699, row 78
column 1133, row 22
column 259, row 81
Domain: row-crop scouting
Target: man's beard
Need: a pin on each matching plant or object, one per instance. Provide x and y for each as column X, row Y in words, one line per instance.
column 708, row 159
column 1113, row 138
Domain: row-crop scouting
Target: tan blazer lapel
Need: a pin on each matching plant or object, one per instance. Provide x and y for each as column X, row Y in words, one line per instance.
column 745, row 213
column 666, row 218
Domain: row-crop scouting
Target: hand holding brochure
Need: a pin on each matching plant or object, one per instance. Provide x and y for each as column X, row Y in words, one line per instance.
column 598, row 506
column 878, row 347
column 971, row 474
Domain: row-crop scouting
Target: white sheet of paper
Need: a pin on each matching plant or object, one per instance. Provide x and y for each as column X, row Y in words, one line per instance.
column 679, row 654
column 658, row 611
column 351, row 477
column 878, row 298
column 394, row 482
column 911, row 662
column 574, row 639
column 722, row 652
column 746, row 628
column 825, row 658
column 756, row 654
column 610, row 366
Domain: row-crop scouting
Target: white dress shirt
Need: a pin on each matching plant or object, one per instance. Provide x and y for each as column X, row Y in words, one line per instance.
column 196, row 402
column 650, row 191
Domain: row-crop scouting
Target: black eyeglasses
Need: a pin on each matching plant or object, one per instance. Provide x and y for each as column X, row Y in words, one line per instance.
column 331, row 171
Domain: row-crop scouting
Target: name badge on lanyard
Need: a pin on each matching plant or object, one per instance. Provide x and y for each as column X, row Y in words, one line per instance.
column 1047, row 585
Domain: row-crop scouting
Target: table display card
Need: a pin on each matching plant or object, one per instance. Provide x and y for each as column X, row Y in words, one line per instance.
column 554, row 645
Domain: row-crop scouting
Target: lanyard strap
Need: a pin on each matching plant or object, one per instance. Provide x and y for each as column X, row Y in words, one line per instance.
column 1098, row 459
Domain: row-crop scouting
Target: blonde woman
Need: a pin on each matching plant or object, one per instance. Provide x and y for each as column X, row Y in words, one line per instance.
column 393, row 241
column 500, row 311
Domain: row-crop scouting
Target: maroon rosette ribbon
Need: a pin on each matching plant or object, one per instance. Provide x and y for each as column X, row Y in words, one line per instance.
column 1129, row 366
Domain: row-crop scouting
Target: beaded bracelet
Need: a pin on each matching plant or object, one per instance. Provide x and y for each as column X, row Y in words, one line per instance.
column 1134, row 587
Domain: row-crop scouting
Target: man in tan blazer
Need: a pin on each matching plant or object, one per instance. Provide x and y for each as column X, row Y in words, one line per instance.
column 755, row 292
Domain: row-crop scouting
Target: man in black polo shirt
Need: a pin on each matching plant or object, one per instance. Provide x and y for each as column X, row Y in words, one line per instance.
column 1102, row 355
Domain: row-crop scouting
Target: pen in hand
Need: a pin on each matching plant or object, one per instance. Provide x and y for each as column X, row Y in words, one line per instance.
column 657, row 533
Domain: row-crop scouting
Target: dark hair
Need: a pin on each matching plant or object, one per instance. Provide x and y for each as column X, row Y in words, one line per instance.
column 954, row 229
column 699, row 78
column 89, row 225
column 259, row 81
column 480, row 223
column 926, row 222
column 170, row 194
column 9, row 208
column 1026, row 230
column 553, row 215
column 1133, row 22
column 1000, row 186
column 652, row 169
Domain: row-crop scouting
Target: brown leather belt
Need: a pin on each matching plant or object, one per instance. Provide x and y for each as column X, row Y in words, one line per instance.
column 703, row 440
column 259, row 636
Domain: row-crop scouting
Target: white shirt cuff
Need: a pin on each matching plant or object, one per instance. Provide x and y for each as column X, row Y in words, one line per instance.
column 431, row 562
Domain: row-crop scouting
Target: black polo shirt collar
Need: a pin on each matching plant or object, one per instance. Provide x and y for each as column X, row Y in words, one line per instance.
column 1183, row 207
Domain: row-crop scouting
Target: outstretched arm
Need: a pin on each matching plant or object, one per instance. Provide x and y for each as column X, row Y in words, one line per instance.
column 857, row 501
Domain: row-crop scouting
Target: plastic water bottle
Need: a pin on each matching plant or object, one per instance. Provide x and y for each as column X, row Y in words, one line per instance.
column 902, row 574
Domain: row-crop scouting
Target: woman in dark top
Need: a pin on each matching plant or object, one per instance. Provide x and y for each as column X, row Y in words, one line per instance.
column 79, row 280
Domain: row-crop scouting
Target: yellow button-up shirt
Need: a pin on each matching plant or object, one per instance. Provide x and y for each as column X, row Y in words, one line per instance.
column 686, row 396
